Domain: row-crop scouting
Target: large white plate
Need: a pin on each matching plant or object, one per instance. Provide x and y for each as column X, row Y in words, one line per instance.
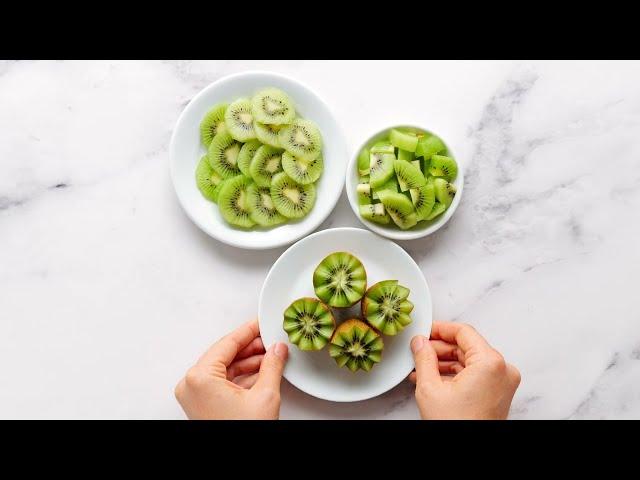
column 316, row 373
column 186, row 150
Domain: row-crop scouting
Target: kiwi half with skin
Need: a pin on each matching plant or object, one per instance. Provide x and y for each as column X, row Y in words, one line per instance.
column 302, row 171
column 232, row 201
column 212, row 123
column 340, row 280
column 302, row 139
column 266, row 162
column 246, row 154
column 356, row 345
column 238, row 120
column 272, row 106
column 261, row 208
column 290, row 198
column 385, row 307
column 309, row 324
column 223, row 155
column 207, row 180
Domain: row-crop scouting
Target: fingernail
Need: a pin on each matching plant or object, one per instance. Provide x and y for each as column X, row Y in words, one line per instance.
column 280, row 350
column 417, row 343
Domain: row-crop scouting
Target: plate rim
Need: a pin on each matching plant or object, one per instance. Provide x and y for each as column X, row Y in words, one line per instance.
column 212, row 232
column 327, row 232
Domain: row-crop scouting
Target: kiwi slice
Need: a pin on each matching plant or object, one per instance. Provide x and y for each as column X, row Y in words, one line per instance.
column 340, row 280
column 400, row 209
column 207, row 179
column 223, row 155
column 375, row 212
column 238, row 120
column 438, row 209
column 302, row 171
column 428, row 146
column 266, row 162
column 408, row 175
column 261, row 208
column 267, row 134
column 390, row 186
column 363, row 162
column 403, row 140
column 423, row 199
column 309, row 323
column 445, row 191
column 356, row 345
column 302, row 139
column 233, row 201
column 212, row 123
column 290, row 198
column 405, row 155
column 272, row 106
column 381, row 168
column 386, row 308
column 443, row 166
column 246, row 154
column 364, row 193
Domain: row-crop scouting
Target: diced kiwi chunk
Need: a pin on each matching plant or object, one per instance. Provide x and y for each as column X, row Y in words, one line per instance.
column 403, row 140
column 429, row 145
column 364, row 160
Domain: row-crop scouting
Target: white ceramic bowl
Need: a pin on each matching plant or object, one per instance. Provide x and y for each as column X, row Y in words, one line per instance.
column 422, row 229
column 291, row 277
column 186, row 150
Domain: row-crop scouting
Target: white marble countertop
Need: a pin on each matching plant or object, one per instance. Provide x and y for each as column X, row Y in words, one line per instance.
column 108, row 292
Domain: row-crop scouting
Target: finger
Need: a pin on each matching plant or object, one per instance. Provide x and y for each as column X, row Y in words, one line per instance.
column 256, row 347
column 225, row 350
column 244, row 366
column 447, row 351
column 412, row 378
column 461, row 334
column 426, row 361
column 448, row 367
column 273, row 366
column 246, row 381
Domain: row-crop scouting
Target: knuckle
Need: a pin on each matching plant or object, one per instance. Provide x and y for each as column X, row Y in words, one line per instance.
column 194, row 378
column 496, row 362
column 515, row 375
column 468, row 328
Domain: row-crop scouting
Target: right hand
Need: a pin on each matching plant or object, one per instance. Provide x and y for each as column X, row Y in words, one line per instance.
column 460, row 376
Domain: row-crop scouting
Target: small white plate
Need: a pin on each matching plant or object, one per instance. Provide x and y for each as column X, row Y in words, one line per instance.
column 186, row 150
column 422, row 229
column 290, row 278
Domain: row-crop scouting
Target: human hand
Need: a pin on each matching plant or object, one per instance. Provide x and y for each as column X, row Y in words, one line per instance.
column 235, row 379
column 460, row 376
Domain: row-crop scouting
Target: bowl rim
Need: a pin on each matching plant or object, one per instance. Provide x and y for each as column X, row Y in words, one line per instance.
column 286, row 240
column 393, row 233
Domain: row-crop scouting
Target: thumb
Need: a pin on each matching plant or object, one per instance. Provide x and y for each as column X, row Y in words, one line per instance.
column 426, row 360
column 272, row 367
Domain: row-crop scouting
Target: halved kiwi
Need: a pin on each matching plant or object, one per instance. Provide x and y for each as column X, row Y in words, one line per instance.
column 363, row 162
column 445, row 191
column 408, row 175
column 443, row 166
column 290, row 198
column 356, row 345
column 423, row 199
column 302, row 139
column 375, row 212
column 207, row 179
column 399, row 208
column 223, row 155
column 272, row 106
column 232, row 201
column 340, row 280
column 429, row 145
column 309, row 324
column 238, row 120
column 386, row 307
column 302, row 171
column 246, row 154
column 403, row 140
column 267, row 134
column 266, row 162
column 212, row 123
column 381, row 168
column 438, row 209
column 261, row 208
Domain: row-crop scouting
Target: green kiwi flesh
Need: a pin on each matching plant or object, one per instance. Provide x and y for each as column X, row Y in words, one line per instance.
column 363, row 162
column 356, row 345
column 272, row 106
column 445, row 191
column 302, row 139
column 374, row 212
column 223, row 155
column 212, row 123
column 364, row 192
column 246, row 154
column 443, row 166
column 207, row 180
column 390, row 186
column 385, row 307
column 260, row 205
column 423, row 199
column 438, row 209
column 403, row 140
column 309, row 324
column 238, row 120
column 405, row 155
column 408, row 175
column 267, row 134
column 233, row 201
column 302, row 171
column 400, row 209
column 266, row 162
column 429, row 145
column 290, row 198
column 381, row 168
column 340, row 280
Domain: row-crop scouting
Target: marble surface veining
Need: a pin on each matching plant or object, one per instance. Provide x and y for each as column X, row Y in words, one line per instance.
column 108, row 292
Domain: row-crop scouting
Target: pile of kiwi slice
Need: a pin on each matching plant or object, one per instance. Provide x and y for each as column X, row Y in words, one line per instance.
column 405, row 178
column 340, row 281
column 262, row 160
